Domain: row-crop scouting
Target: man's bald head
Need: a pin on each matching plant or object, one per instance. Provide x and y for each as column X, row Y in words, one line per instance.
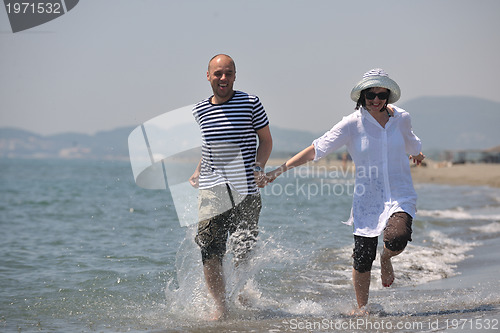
column 221, row 56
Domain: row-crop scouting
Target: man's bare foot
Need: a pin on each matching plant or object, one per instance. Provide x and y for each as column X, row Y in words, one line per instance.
column 387, row 271
column 360, row 312
column 219, row 314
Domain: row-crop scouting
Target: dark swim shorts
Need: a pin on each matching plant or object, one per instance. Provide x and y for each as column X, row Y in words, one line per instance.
column 397, row 234
column 220, row 217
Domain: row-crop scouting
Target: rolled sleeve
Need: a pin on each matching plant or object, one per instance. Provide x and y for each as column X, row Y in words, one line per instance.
column 413, row 144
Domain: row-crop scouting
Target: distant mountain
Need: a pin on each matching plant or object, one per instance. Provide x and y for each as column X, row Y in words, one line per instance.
column 452, row 123
column 287, row 142
column 103, row 145
column 455, row 123
column 113, row 144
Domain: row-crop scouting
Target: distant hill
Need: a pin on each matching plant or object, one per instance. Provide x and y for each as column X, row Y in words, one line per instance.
column 287, row 142
column 455, row 123
column 452, row 123
column 113, row 144
column 103, row 145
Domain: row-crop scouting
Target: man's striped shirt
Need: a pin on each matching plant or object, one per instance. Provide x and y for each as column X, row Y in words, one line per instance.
column 229, row 141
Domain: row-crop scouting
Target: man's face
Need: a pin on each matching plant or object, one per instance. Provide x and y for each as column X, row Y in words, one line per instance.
column 221, row 74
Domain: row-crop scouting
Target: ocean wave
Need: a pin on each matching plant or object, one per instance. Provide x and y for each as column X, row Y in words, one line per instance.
column 491, row 228
column 435, row 260
column 460, row 213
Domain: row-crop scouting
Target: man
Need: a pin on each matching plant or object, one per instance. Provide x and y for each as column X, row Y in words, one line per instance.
column 229, row 173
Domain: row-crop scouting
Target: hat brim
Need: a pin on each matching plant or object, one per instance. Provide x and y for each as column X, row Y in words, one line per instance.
column 377, row 81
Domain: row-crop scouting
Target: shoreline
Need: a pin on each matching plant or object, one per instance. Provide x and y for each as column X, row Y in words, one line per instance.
column 473, row 174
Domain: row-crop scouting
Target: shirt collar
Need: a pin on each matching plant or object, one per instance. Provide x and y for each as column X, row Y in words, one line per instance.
column 366, row 114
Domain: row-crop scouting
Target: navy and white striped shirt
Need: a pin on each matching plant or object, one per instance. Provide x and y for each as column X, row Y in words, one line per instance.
column 229, row 141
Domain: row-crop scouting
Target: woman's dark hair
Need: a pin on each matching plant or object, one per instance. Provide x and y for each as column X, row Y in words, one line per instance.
column 362, row 100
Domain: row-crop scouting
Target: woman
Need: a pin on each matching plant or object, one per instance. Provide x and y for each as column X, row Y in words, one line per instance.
column 378, row 136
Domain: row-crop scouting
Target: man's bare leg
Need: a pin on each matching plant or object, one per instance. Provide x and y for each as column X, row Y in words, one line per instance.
column 387, row 272
column 214, row 277
column 361, row 283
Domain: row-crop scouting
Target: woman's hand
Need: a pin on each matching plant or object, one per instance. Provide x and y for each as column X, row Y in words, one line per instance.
column 260, row 178
column 272, row 175
column 417, row 159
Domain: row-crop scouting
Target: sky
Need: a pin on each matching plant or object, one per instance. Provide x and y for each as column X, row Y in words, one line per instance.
column 113, row 63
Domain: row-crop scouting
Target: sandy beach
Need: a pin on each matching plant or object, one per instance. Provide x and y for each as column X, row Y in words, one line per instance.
column 480, row 174
column 475, row 174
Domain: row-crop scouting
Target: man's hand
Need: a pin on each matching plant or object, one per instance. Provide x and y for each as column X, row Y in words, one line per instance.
column 194, row 180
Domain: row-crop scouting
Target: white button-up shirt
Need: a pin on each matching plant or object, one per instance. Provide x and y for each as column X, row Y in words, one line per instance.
column 383, row 179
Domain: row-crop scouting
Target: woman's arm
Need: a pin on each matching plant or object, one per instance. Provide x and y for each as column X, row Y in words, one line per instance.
column 332, row 140
column 303, row 157
column 412, row 142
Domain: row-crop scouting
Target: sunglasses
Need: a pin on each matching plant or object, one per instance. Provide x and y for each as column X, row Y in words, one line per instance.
column 371, row 95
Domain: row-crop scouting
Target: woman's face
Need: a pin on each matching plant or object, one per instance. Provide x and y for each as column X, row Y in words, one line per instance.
column 376, row 99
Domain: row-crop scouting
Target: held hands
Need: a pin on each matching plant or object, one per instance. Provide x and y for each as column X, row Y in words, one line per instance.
column 262, row 179
column 272, row 175
column 417, row 159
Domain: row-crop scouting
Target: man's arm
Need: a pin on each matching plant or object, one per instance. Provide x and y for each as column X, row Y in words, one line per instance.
column 265, row 146
column 263, row 152
column 194, row 180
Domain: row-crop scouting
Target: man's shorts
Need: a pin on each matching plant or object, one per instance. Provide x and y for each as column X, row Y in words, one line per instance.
column 397, row 234
column 223, row 212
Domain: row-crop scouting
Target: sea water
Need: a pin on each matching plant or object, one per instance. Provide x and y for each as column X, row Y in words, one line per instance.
column 84, row 249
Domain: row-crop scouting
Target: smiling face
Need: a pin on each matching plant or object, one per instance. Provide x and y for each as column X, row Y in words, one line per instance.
column 221, row 74
column 376, row 105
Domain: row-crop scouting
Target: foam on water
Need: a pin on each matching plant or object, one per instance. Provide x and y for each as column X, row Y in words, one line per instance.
column 460, row 213
column 491, row 228
column 280, row 282
column 188, row 297
column 436, row 260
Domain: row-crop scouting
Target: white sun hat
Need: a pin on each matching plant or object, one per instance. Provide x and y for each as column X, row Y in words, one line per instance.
column 376, row 77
